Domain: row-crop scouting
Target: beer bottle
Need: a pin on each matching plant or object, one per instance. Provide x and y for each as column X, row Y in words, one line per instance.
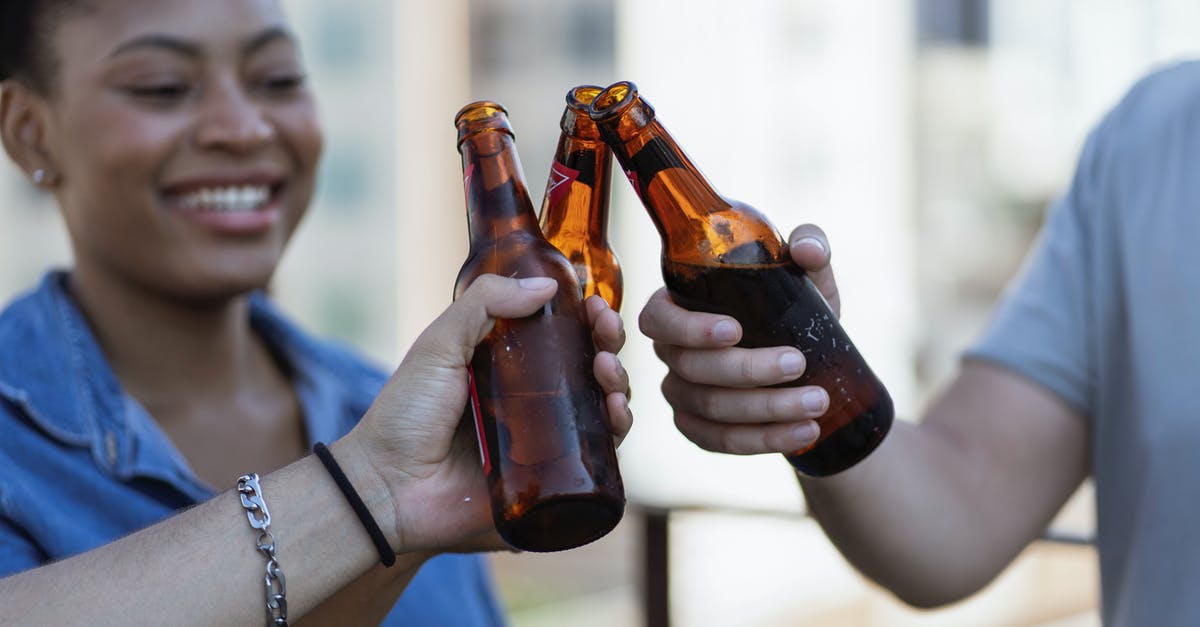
column 545, row 441
column 575, row 208
column 723, row 256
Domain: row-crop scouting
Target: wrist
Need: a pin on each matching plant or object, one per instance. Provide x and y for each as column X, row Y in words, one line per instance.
column 358, row 466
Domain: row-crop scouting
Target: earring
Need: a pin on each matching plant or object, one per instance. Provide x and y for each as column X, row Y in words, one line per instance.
column 42, row 177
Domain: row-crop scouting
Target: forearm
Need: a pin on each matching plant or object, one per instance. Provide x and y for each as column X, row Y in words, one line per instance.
column 201, row 567
column 365, row 601
column 904, row 519
column 942, row 507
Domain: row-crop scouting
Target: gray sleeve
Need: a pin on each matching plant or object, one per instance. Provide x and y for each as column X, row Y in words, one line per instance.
column 1044, row 324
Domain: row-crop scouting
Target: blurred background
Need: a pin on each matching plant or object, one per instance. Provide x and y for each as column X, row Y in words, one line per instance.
column 926, row 136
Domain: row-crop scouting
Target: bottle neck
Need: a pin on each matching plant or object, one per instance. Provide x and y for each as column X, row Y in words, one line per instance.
column 577, row 192
column 498, row 201
column 697, row 224
column 668, row 183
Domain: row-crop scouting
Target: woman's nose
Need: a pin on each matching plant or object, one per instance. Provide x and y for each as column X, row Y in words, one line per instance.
column 231, row 120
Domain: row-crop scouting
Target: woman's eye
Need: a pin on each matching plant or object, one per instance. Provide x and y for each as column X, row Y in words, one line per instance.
column 162, row 92
column 283, row 83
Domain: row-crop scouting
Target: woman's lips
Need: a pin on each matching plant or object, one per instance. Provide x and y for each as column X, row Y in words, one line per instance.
column 239, row 209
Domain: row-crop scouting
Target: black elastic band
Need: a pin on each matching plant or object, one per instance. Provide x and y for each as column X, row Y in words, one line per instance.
column 386, row 554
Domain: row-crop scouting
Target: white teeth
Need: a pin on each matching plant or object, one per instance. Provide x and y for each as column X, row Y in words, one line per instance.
column 226, row 199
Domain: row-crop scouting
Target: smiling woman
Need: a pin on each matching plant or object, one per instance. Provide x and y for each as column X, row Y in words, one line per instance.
column 180, row 141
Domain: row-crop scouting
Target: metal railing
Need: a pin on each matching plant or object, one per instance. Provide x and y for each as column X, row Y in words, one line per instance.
column 656, row 538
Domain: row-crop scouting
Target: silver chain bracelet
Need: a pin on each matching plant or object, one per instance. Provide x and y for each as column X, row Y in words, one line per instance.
column 260, row 519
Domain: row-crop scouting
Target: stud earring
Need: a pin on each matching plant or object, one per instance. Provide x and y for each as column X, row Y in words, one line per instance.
column 43, row 177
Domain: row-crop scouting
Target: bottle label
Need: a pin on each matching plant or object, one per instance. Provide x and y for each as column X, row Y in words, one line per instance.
column 633, row 180
column 561, row 178
column 480, row 435
column 467, row 177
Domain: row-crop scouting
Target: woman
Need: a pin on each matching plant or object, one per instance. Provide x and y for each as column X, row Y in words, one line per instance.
column 180, row 141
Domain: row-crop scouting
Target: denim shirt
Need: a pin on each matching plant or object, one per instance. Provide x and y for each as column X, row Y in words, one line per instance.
column 83, row 464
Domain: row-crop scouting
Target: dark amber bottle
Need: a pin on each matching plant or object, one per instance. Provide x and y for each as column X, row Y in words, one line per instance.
column 544, row 433
column 574, row 214
column 722, row 256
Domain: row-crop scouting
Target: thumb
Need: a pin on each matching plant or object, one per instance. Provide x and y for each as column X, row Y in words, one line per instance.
column 471, row 317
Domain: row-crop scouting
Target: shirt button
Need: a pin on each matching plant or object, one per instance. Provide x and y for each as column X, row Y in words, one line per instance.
column 110, row 447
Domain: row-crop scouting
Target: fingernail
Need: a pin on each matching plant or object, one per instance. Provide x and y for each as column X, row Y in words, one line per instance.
column 537, row 283
column 791, row 364
column 807, row 432
column 725, row 331
column 809, row 241
column 814, row 400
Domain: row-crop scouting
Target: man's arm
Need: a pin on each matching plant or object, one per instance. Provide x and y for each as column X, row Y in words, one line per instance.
column 941, row 507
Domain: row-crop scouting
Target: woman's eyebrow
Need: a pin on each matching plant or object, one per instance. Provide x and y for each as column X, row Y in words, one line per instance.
column 192, row 50
column 266, row 37
column 158, row 41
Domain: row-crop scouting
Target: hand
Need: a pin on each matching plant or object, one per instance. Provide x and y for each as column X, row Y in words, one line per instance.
column 719, row 391
column 414, row 435
column 810, row 250
column 608, row 333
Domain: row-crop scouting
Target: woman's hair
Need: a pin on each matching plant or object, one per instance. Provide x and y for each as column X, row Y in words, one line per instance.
column 25, row 29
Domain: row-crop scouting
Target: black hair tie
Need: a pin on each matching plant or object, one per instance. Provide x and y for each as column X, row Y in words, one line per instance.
column 386, row 554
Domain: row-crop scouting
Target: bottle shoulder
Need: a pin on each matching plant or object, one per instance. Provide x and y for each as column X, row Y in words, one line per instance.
column 515, row 255
column 736, row 234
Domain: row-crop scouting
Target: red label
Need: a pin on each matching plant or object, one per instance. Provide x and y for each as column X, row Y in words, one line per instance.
column 479, row 432
column 560, row 182
column 467, row 177
column 633, row 180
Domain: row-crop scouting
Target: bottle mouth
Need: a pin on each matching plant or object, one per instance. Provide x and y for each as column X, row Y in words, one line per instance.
column 613, row 100
column 482, row 115
column 576, row 118
column 580, row 98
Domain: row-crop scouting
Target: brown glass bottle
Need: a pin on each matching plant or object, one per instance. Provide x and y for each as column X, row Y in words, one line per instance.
column 544, row 433
column 574, row 214
column 723, row 256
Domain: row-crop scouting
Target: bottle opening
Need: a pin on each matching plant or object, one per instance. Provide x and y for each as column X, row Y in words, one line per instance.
column 478, row 111
column 577, row 117
column 582, row 96
column 482, row 115
column 613, row 100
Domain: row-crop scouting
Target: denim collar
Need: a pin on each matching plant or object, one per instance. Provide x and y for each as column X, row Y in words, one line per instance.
column 52, row 368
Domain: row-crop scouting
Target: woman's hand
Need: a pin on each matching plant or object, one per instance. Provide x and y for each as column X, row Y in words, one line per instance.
column 720, row 392
column 416, row 437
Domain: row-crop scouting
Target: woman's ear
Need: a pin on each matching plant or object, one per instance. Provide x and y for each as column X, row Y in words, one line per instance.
column 23, row 130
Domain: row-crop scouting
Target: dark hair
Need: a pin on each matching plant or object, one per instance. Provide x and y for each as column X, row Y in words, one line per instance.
column 25, row 54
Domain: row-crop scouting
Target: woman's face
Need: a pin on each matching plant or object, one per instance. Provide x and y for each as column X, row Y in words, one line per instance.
column 185, row 140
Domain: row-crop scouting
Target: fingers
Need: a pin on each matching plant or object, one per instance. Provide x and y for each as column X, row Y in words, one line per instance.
column 664, row 321
column 619, row 415
column 785, row 437
column 745, row 406
column 733, row 367
column 610, row 373
column 469, row 319
column 810, row 250
column 608, row 330
column 615, row 382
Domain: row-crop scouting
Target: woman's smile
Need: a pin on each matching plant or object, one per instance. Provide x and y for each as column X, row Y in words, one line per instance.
column 243, row 205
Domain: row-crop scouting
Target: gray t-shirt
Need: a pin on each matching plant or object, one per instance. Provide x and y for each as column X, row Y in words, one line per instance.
column 1106, row 314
